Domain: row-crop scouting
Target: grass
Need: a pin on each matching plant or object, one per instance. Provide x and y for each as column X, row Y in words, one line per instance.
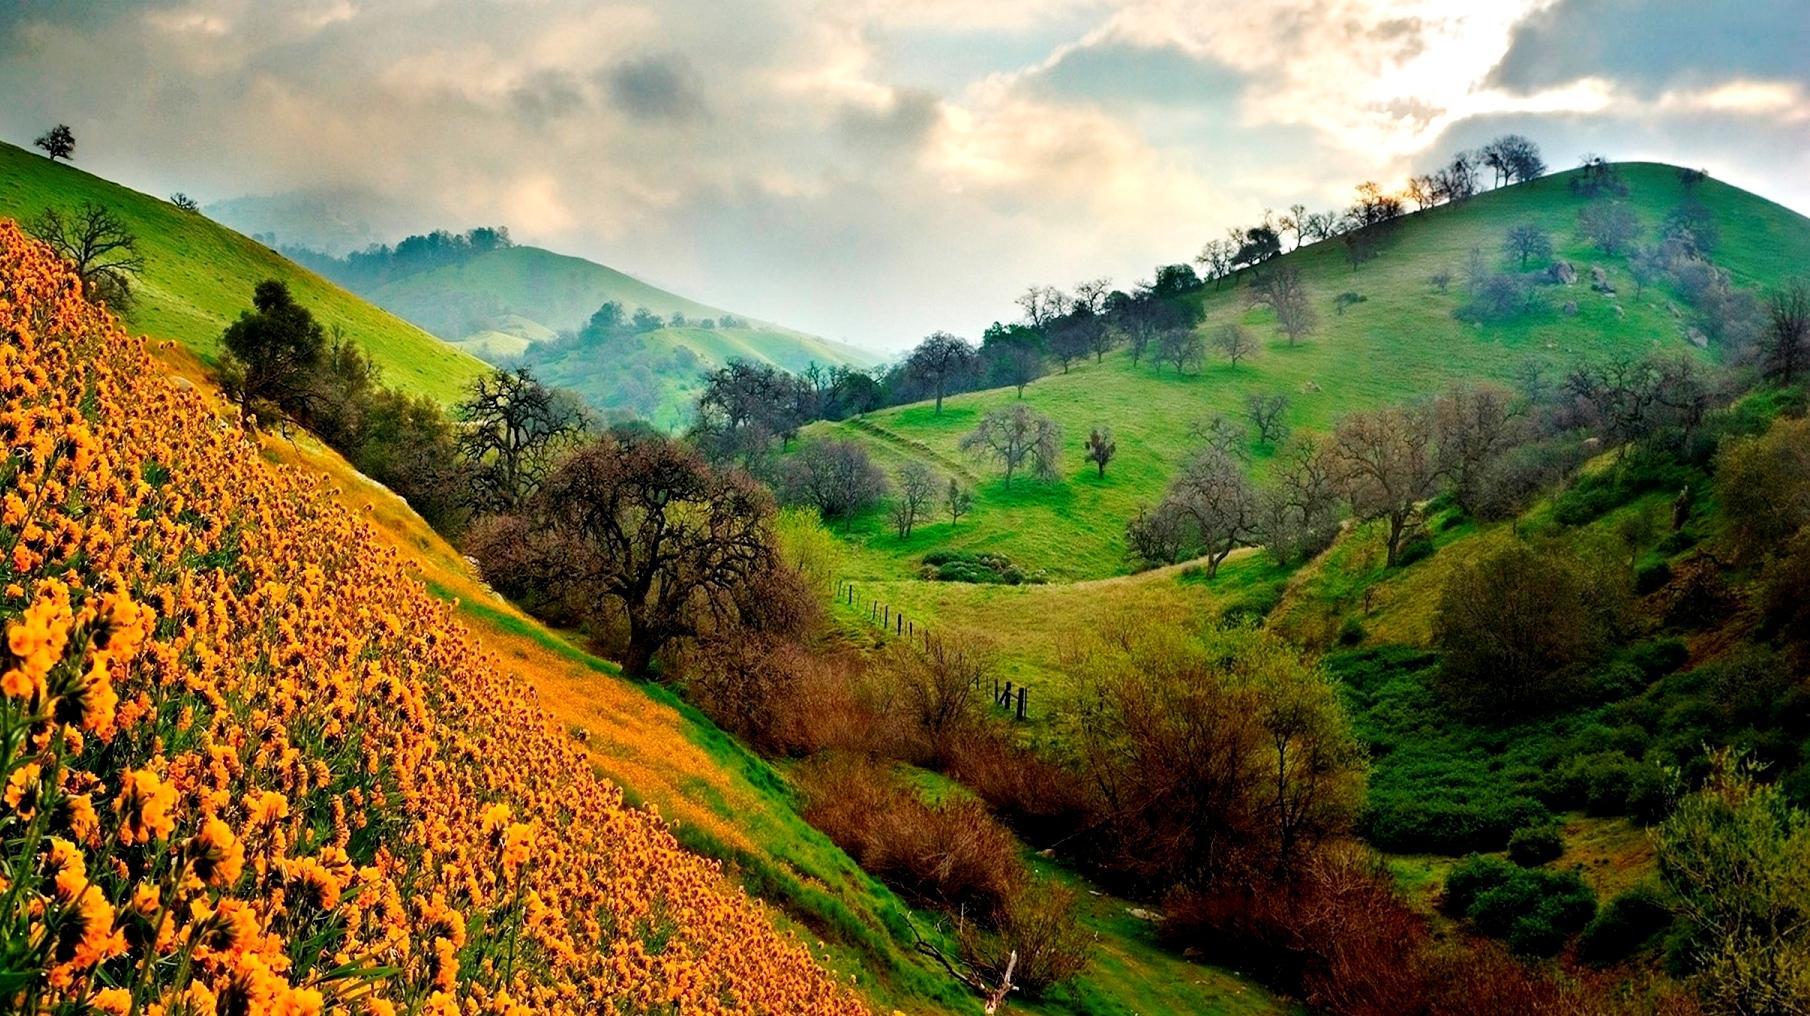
column 1403, row 342
column 199, row 275
column 1027, row 628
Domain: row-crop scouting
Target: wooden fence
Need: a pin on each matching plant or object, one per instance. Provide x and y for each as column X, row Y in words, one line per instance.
column 1014, row 699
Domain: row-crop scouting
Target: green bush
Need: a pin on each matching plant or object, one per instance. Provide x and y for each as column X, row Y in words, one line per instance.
column 1252, row 607
column 1352, row 632
column 1422, row 821
column 1534, row 909
column 1532, row 846
column 978, row 568
column 1628, row 922
column 1418, row 547
column 1652, row 576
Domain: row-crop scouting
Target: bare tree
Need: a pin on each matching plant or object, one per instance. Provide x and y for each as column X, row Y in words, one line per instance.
column 1422, row 191
column 642, row 522
column 184, row 202
column 1101, row 447
column 1284, row 293
column 1216, row 258
column 1217, row 499
column 1457, row 179
column 512, row 429
column 57, row 142
column 957, row 501
column 1157, row 536
column 836, row 477
column 915, row 488
column 1042, row 304
column 1235, row 342
column 1074, row 335
column 1014, row 434
column 1387, row 463
column 97, row 243
column 939, row 360
column 1180, row 347
column 1268, row 413
column 1298, row 512
column 1476, row 424
column 1221, row 435
column 1610, row 226
column 1295, row 221
column 1092, row 294
column 1785, row 344
column 1527, row 240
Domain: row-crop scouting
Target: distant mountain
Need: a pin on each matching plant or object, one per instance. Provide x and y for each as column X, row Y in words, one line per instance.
column 334, row 221
column 510, row 304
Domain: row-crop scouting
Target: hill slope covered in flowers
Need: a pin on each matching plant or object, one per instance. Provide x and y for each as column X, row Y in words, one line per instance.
column 248, row 766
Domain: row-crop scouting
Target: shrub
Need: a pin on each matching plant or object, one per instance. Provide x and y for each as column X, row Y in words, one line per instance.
column 1651, row 576
column 1535, row 909
column 1038, row 923
column 953, row 853
column 1429, row 822
column 1532, row 846
column 1510, row 629
column 1629, row 921
column 979, row 568
column 1417, row 547
column 1352, row 632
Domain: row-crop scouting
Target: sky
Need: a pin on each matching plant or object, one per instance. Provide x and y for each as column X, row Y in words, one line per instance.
column 874, row 170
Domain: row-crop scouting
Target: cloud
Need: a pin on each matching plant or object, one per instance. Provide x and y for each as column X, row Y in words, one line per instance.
column 1655, row 44
column 877, row 169
column 657, row 88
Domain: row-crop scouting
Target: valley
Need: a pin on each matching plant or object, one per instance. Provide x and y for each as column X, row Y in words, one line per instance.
column 1408, row 618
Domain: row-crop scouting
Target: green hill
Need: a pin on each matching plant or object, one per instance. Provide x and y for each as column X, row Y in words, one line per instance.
column 199, row 275
column 1402, row 341
column 506, row 304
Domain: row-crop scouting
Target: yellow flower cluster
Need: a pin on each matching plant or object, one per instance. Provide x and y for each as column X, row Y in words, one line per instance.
column 248, row 766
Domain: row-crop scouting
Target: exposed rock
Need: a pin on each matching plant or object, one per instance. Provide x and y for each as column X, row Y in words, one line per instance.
column 1697, row 338
column 1570, row 308
column 1310, row 387
column 1592, row 445
column 1620, row 312
column 1599, row 280
column 1562, row 273
column 1143, row 915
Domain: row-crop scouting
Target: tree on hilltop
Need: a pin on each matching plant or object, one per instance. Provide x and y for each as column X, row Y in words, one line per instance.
column 58, row 142
column 939, row 360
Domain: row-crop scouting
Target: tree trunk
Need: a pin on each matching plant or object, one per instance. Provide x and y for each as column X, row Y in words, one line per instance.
column 638, row 655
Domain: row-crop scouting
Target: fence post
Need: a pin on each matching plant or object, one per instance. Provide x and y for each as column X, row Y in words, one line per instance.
column 1021, row 695
column 886, row 616
column 1007, row 700
column 873, row 610
column 901, row 624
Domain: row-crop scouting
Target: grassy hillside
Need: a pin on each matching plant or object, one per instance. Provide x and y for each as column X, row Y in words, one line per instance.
column 505, row 304
column 1403, row 341
column 199, row 275
column 293, row 743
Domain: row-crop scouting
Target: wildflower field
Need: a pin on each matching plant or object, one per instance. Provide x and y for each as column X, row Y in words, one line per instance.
column 247, row 765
